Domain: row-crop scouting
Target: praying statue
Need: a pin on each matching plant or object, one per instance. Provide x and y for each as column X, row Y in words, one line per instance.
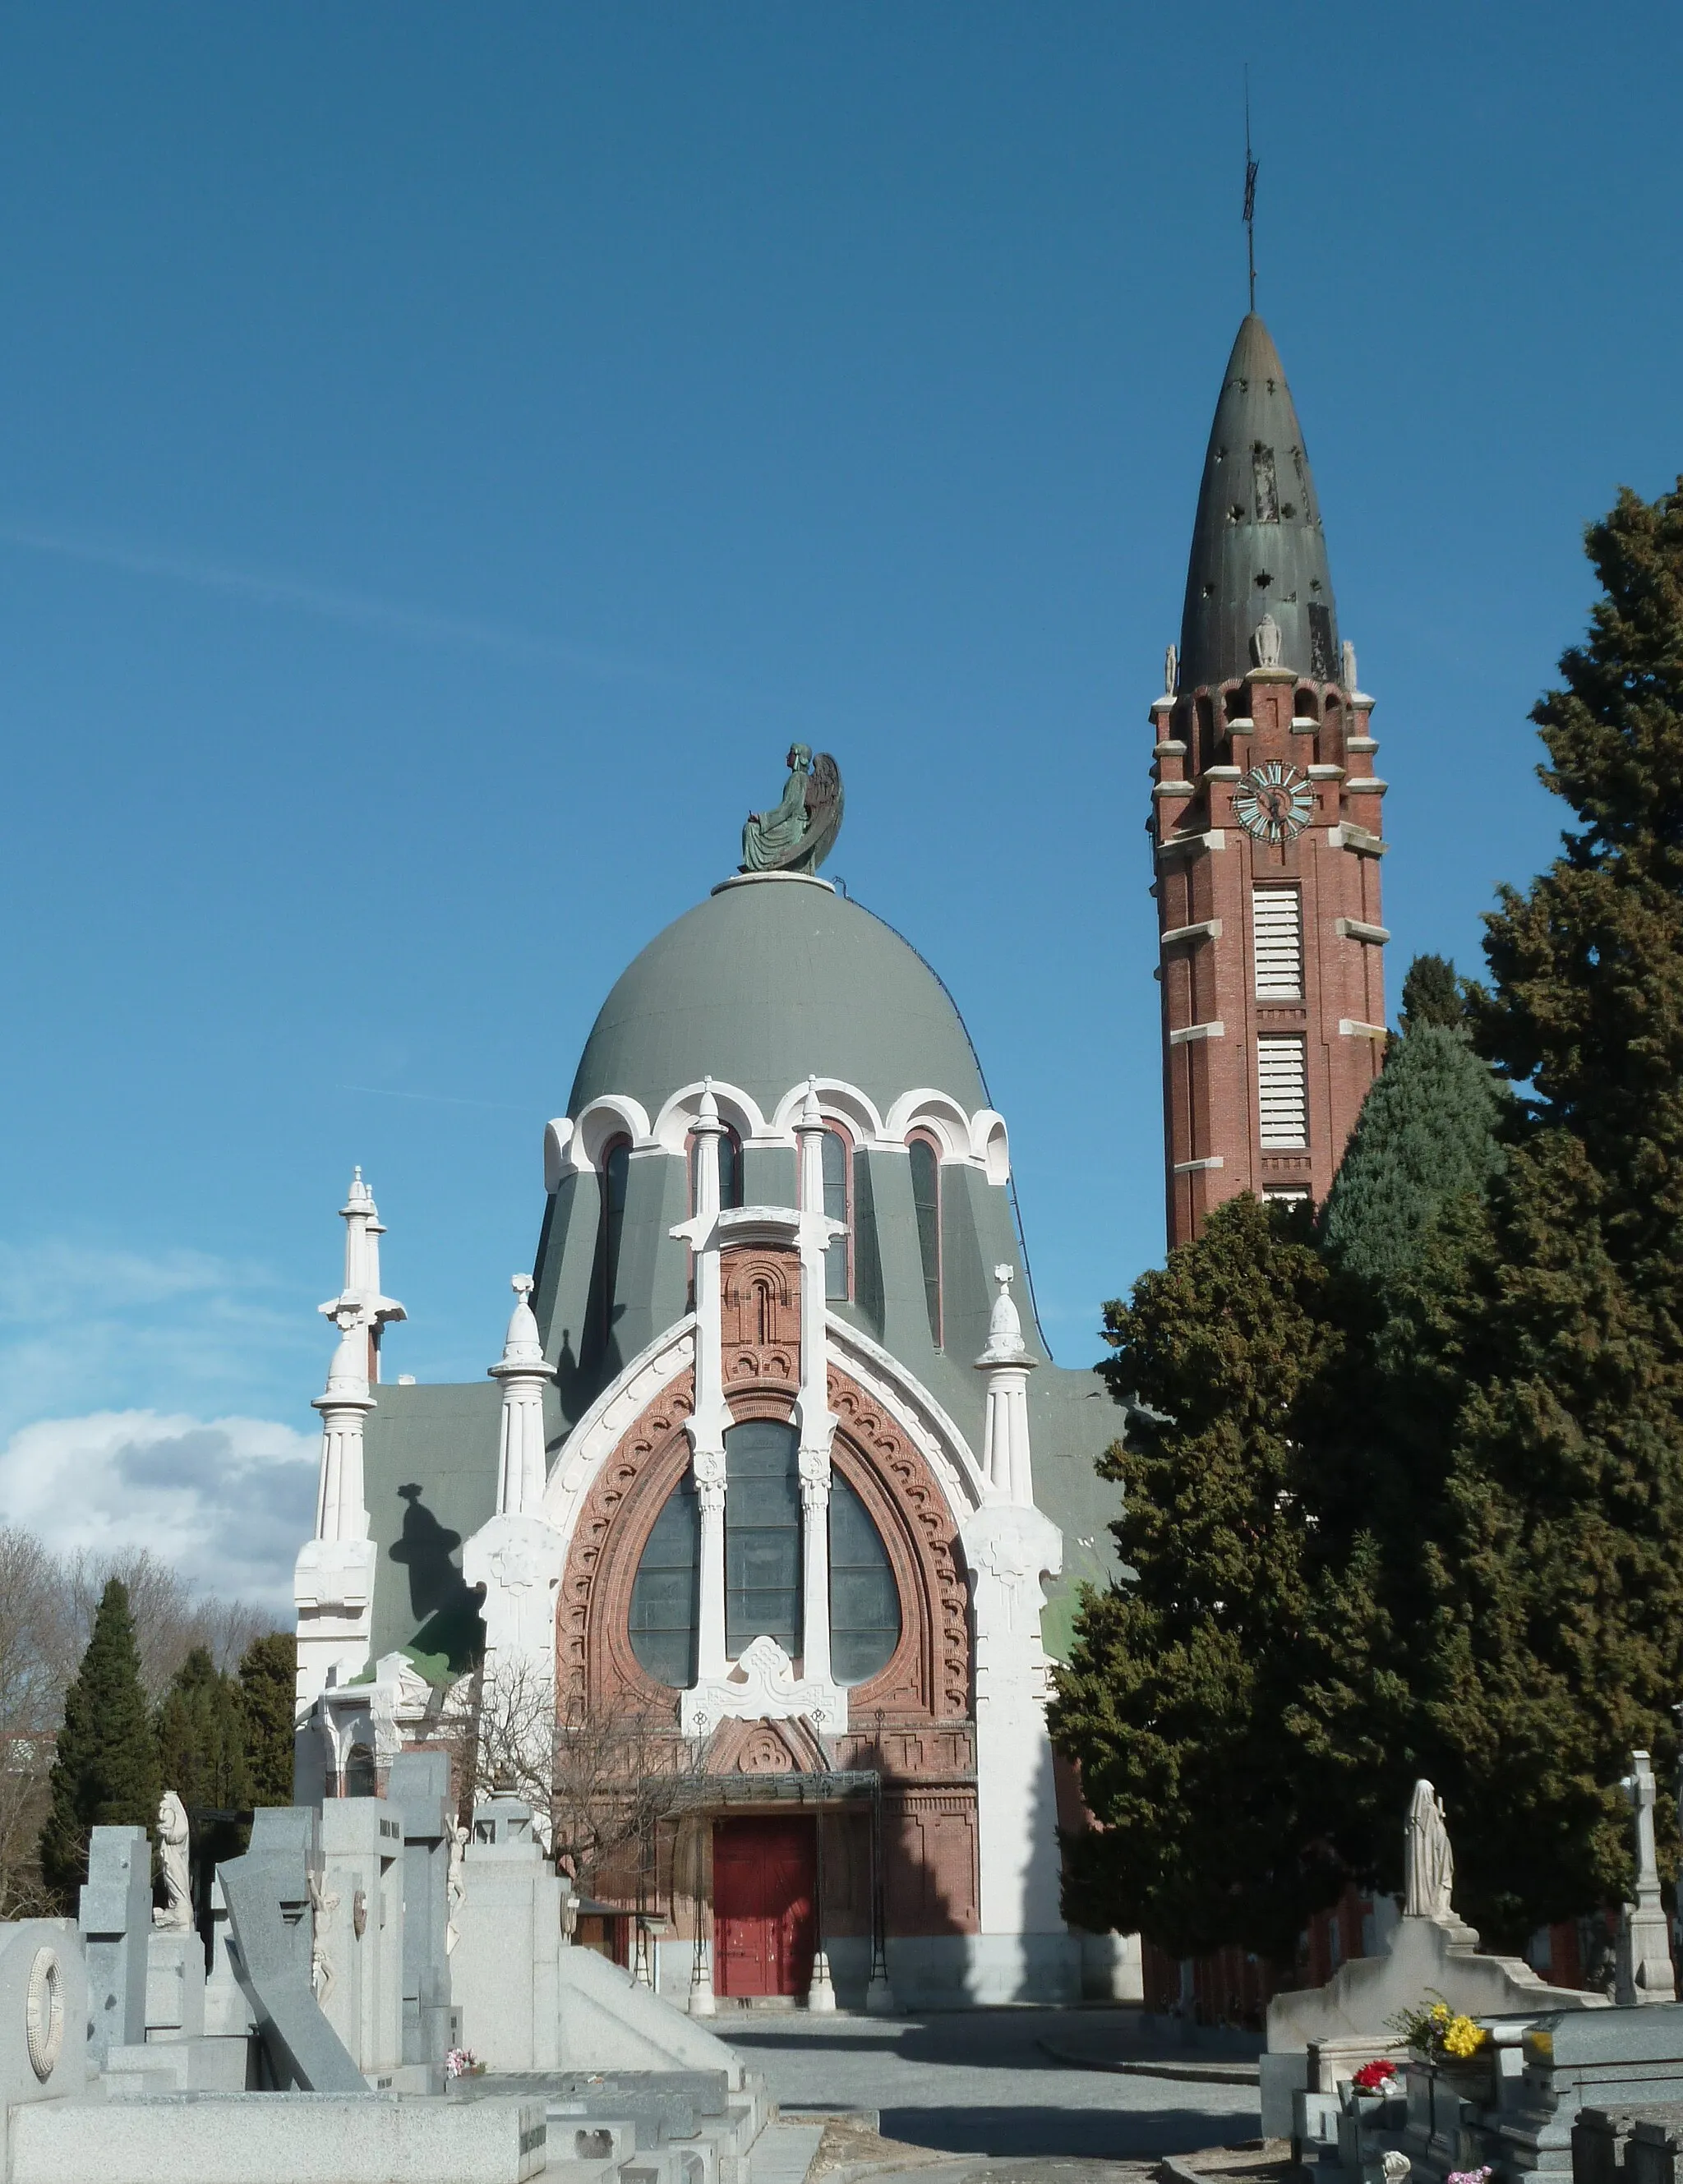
column 175, row 1914
column 797, row 835
column 1428, row 1862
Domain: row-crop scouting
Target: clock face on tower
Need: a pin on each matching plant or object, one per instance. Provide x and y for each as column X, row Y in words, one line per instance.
column 1273, row 802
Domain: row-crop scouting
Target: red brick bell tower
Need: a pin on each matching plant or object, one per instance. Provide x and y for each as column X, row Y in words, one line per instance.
column 1266, row 824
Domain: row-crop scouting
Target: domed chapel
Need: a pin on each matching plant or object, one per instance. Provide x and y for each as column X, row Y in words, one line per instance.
column 775, row 1499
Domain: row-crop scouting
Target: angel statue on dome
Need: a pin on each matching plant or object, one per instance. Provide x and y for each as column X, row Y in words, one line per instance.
column 797, row 835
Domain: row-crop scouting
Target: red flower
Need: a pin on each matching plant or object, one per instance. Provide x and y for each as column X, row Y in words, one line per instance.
column 1371, row 2076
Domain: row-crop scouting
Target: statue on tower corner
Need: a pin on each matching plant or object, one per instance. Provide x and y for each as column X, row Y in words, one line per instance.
column 799, row 833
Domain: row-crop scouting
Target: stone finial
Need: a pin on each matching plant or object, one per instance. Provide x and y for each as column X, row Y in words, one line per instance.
column 707, row 1114
column 523, row 1345
column 1006, row 1344
column 1170, row 670
column 359, row 1199
column 348, row 1372
column 812, row 1115
column 1350, row 681
column 1265, row 640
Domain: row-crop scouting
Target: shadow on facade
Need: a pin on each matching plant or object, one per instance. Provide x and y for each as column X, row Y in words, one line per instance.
column 445, row 1605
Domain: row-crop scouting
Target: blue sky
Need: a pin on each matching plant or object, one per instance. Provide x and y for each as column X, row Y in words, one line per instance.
column 447, row 454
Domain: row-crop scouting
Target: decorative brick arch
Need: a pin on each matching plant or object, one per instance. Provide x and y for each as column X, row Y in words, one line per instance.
column 761, row 1319
column 592, row 1645
column 927, row 1677
column 929, row 1674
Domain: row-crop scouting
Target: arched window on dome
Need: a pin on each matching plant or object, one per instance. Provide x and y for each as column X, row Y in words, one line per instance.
column 666, row 1592
column 613, row 1177
column 838, row 1205
column 730, row 1166
column 926, row 1201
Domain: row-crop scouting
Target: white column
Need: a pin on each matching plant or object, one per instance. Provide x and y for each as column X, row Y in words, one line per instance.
column 1024, row 1952
column 521, row 1468
column 1006, row 1463
column 333, row 1579
column 707, row 1426
column 816, row 1420
column 363, row 1232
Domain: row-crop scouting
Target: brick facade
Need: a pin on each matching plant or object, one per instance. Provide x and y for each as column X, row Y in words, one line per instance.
column 1209, row 867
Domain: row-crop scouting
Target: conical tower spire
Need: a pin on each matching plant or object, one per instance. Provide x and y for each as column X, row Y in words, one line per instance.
column 1257, row 546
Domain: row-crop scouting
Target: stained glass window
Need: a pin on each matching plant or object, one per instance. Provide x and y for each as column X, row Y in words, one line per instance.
column 762, row 1535
column 864, row 1598
column 664, row 1592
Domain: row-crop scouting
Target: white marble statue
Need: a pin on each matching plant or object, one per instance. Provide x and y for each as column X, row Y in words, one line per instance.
column 1265, row 642
column 454, row 1887
column 1430, row 1862
column 175, row 1914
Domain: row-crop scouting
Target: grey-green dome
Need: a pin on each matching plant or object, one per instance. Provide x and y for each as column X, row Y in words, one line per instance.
column 771, row 980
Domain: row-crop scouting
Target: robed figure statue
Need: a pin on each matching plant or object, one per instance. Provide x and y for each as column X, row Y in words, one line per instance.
column 796, row 837
column 1430, row 1861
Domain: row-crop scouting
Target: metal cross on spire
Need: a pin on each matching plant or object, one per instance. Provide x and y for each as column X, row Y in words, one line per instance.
column 1249, row 193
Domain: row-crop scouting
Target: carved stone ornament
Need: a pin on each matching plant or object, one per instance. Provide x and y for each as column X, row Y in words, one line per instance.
column 764, row 1683
column 1170, row 670
column 799, row 833
column 1265, row 643
column 360, row 1913
column 44, row 2013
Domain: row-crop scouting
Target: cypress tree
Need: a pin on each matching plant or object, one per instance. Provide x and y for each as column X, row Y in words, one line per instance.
column 1178, row 1699
column 268, row 1681
column 105, row 1766
column 201, row 1751
column 201, row 1742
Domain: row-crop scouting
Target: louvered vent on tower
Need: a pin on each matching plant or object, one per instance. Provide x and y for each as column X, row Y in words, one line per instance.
column 1277, row 930
column 1283, row 1093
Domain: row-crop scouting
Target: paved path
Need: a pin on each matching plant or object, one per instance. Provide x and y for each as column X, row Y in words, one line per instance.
column 978, row 2081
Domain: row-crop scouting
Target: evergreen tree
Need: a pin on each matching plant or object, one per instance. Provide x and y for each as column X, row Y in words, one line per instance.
column 268, row 1682
column 201, row 1742
column 201, row 1751
column 1432, row 995
column 105, row 1768
column 1557, row 1630
column 1178, row 1698
column 1426, row 1133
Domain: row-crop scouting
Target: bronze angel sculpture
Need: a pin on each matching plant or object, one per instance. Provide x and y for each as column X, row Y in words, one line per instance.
column 797, row 836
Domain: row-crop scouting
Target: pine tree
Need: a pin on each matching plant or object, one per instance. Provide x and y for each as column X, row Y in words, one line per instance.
column 1426, row 1133
column 105, row 1768
column 267, row 1684
column 1177, row 1698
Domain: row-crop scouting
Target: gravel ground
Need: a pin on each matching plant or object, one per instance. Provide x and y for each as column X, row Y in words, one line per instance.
column 978, row 2083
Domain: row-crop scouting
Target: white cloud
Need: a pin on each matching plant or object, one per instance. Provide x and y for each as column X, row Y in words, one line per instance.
column 226, row 1500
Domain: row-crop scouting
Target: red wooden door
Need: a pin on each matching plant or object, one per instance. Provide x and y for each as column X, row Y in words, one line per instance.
column 764, row 1882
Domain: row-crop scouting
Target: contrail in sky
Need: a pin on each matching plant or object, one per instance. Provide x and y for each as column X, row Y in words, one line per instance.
column 356, row 609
